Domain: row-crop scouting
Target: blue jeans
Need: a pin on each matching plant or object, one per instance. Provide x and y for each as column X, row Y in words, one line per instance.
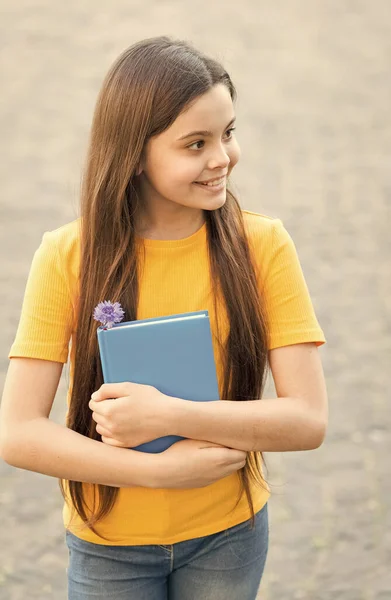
column 227, row 565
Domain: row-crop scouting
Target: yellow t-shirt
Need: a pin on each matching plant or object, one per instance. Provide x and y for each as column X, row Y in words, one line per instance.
column 175, row 279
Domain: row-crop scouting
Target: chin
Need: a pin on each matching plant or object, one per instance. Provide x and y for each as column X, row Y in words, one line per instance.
column 213, row 201
column 216, row 203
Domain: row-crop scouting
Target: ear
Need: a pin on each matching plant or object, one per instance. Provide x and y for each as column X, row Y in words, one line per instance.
column 139, row 170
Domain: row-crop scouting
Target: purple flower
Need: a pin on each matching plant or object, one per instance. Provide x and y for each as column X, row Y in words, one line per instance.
column 108, row 313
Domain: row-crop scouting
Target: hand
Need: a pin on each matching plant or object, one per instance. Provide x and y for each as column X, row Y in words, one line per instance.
column 128, row 414
column 194, row 463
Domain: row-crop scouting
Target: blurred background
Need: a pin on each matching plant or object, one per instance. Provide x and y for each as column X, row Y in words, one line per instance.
column 313, row 80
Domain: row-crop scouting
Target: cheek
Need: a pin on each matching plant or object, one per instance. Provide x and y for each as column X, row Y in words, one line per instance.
column 168, row 175
column 234, row 155
column 167, row 170
column 183, row 171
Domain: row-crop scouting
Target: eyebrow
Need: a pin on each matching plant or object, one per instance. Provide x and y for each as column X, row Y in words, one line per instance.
column 205, row 132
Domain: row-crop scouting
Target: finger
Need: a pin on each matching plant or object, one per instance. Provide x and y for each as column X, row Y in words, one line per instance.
column 113, row 390
column 100, row 419
column 93, row 405
column 101, row 406
column 103, row 431
column 113, row 442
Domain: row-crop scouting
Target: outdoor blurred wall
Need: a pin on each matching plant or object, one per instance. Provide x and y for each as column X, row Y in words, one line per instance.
column 314, row 84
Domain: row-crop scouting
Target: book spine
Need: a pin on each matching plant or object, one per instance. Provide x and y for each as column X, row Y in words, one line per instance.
column 103, row 356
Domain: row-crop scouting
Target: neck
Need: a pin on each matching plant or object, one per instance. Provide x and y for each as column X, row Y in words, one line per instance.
column 160, row 228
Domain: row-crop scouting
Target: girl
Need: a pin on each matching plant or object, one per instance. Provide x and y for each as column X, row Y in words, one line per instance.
column 161, row 232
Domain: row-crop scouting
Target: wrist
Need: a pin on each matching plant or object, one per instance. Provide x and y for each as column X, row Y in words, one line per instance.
column 176, row 412
column 157, row 473
column 149, row 469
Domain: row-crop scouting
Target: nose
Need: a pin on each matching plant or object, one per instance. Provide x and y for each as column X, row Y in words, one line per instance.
column 219, row 158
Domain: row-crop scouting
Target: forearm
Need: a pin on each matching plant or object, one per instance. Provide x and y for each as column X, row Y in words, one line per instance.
column 46, row 447
column 269, row 425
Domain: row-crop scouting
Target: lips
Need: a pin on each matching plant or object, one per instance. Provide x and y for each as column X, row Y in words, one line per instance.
column 212, row 182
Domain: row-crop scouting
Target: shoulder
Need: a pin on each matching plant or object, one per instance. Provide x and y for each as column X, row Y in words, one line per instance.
column 262, row 230
column 258, row 222
column 269, row 240
column 65, row 237
column 64, row 244
column 66, row 240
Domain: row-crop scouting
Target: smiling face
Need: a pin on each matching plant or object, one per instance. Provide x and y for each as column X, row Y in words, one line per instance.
column 173, row 163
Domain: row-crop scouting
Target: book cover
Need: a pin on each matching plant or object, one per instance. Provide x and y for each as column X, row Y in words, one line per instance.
column 172, row 353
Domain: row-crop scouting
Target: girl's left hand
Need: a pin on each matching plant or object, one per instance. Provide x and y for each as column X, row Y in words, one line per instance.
column 128, row 414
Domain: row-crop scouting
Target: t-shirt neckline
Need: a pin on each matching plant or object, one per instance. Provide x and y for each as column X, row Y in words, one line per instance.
column 194, row 238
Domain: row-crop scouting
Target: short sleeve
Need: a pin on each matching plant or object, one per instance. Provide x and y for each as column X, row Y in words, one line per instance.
column 46, row 319
column 289, row 309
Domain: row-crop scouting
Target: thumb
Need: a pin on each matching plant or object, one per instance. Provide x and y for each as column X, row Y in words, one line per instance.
column 97, row 396
column 111, row 390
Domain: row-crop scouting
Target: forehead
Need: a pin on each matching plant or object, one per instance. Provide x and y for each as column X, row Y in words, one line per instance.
column 214, row 109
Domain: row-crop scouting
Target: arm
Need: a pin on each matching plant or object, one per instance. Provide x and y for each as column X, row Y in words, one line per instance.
column 296, row 420
column 29, row 440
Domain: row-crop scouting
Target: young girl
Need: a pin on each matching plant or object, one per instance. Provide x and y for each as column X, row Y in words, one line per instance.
column 161, row 232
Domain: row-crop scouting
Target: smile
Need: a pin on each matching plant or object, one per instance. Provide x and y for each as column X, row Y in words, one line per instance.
column 214, row 186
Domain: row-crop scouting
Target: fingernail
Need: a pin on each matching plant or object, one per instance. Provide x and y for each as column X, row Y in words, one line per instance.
column 93, row 396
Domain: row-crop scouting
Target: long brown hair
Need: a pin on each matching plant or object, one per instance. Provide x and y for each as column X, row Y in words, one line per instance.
column 143, row 93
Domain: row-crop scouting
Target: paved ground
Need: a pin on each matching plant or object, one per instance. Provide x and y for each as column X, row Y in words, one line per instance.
column 314, row 96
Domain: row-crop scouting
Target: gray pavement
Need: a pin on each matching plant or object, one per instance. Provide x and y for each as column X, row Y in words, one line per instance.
column 314, row 87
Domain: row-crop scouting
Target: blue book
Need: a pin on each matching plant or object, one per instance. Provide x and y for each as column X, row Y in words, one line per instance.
column 173, row 353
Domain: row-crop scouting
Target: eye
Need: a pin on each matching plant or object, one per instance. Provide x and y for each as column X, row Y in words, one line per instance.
column 194, row 143
column 230, row 130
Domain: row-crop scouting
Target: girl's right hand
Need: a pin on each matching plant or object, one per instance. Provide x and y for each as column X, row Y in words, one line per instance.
column 193, row 464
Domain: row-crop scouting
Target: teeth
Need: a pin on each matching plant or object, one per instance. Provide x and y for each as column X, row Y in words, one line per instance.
column 214, row 183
